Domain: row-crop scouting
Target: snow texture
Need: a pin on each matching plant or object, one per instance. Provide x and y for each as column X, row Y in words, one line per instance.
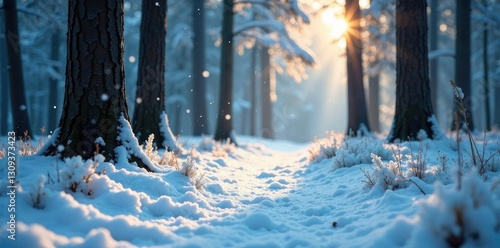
column 260, row 194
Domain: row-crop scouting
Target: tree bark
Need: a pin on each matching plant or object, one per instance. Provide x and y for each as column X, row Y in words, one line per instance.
column 94, row 96
column 150, row 93
column 17, row 92
column 462, row 60
column 266, row 103
column 200, row 121
column 224, row 130
column 53, row 109
column 357, row 112
column 413, row 96
column 433, row 45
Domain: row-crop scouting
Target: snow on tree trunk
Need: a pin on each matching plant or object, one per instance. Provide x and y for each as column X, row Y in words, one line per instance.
column 94, row 96
column 15, row 68
column 413, row 96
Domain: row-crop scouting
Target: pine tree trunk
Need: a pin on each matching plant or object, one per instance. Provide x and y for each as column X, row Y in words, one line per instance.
column 150, row 94
column 413, row 96
column 253, row 92
column 357, row 112
column 200, row 121
column 266, row 104
column 4, row 82
column 462, row 59
column 54, row 82
column 433, row 45
column 225, row 116
column 94, row 96
column 486, row 79
column 374, row 98
column 17, row 93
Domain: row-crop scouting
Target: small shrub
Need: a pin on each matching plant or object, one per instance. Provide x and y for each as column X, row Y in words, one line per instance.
column 189, row 170
column 77, row 174
column 468, row 216
column 2, row 153
column 38, row 193
column 218, row 149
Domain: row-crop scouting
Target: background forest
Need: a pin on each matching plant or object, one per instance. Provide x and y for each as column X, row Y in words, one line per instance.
column 306, row 100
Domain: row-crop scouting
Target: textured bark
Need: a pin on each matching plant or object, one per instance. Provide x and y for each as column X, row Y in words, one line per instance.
column 54, row 82
column 413, row 96
column 266, row 103
column 356, row 101
column 224, row 128
column 462, row 60
column 94, row 96
column 4, row 82
column 17, row 93
column 433, row 45
column 150, row 94
column 200, row 121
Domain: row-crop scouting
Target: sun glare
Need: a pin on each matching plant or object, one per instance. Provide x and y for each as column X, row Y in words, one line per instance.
column 338, row 26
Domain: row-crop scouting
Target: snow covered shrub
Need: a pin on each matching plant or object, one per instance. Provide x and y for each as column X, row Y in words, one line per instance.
column 388, row 175
column 349, row 151
column 38, row 193
column 324, row 148
column 218, row 149
column 26, row 146
column 468, row 216
column 150, row 150
column 77, row 174
column 190, row 170
column 171, row 159
column 2, row 153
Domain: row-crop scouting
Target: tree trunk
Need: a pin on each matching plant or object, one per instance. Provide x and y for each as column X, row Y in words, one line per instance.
column 224, row 128
column 54, row 82
column 433, row 45
column 200, row 121
column 486, row 79
column 4, row 82
column 150, row 94
column 374, row 98
column 462, row 59
column 253, row 92
column 358, row 115
column 17, row 93
column 413, row 96
column 266, row 103
column 95, row 103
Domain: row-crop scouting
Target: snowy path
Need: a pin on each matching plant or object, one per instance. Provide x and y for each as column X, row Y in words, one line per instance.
column 257, row 196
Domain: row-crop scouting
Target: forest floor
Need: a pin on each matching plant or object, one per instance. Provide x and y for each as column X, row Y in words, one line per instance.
column 260, row 194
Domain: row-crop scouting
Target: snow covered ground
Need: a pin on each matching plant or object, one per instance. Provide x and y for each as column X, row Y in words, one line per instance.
column 260, row 194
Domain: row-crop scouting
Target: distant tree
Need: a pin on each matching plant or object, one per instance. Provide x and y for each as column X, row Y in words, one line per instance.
column 17, row 92
column 95, row 114
column 149, row 113
column 4, row 81
column 54, row 81
column 253, row 92
column 266, row 94
column 356, row 102
column 224, row 128
column 433, row 46
column 462, row 59
column 200, row 118
column 413, row 96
